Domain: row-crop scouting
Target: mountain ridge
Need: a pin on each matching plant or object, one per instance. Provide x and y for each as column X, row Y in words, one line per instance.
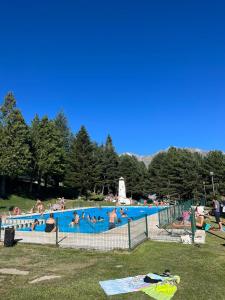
column 148, row 158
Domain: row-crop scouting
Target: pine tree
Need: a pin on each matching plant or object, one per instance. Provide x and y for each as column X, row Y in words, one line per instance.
column 14, row 135
column 98, row 168
column 80, row 171
column 63, row 128
column 134, row 173
column 214, row 162
column 48, row 150
column 177, row 173
column 110, row 171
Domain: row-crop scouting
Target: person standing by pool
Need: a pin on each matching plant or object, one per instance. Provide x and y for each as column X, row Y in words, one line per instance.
column 112, row 219
column 216, row 210
column 50, row 224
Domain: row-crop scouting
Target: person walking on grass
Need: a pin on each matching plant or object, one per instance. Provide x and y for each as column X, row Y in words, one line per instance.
column 216, row 210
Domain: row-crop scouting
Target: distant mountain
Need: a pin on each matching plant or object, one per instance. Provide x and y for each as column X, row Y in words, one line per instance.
column 148, row 158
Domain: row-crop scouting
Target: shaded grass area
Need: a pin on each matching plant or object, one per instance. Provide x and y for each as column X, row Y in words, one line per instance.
column 25, row 204
column 201, row 270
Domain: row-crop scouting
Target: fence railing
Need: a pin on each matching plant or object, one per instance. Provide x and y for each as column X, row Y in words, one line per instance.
column 172, row 213
column 88, row 234
column 99, row 233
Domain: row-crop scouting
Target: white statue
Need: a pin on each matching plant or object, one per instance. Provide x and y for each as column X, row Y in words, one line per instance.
column 122, row 195
column 122, row 189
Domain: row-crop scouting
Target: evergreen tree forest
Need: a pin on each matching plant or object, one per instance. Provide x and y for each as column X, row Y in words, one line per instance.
column 46, row 157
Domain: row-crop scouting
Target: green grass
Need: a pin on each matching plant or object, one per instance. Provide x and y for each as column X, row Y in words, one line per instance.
column 25, row 204
column 201, row 270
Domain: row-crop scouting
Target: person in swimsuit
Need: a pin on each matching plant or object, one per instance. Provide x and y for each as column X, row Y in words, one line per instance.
column 200, row 221
column 76, row 218
column 123, row 214
column 112, row 219
column 50, row 224
column 33, row 226
column 94, row 220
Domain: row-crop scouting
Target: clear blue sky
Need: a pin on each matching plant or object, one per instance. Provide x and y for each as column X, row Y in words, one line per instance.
column 150, row 73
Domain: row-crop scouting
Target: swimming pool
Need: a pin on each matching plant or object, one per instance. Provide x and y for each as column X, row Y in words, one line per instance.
column 85, row 226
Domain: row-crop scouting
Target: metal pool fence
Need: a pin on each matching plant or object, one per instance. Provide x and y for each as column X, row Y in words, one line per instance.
column 99, row 236
column 172, row 213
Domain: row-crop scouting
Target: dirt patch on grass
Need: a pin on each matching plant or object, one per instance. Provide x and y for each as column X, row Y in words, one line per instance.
column 69, row 268
column 44, row 278
column 7, row 271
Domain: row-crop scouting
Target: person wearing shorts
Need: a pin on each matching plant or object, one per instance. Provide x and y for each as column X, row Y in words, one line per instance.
column 216, row 210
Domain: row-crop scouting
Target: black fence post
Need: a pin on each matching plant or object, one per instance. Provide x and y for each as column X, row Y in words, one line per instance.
column 193, row 224
column 146, row 224
column 129, row 235
column 159, row 218
column 57, row 233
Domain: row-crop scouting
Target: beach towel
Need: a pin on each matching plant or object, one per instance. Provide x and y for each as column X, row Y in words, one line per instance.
column 131, row 284
column 207, row 227
column 163, row 291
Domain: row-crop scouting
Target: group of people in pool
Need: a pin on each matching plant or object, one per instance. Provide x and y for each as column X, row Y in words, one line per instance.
column 50, row 225
column 113, row 218
column 76, row 218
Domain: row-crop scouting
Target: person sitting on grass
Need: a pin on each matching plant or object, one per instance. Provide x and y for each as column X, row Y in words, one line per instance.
column 50, row 224
column 62, row 203
column 15, row 211
column 40, row 207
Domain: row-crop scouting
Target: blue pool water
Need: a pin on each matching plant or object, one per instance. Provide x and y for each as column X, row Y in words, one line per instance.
column 85, row 226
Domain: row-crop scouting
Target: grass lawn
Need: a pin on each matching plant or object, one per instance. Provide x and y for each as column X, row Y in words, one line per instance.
column 25, row 204
column 201, row 270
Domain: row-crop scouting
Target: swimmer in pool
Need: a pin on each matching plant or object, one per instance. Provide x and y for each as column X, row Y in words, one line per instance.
column 94, row 220
column 33, row 226
column 112, row 219
column 76, row 218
